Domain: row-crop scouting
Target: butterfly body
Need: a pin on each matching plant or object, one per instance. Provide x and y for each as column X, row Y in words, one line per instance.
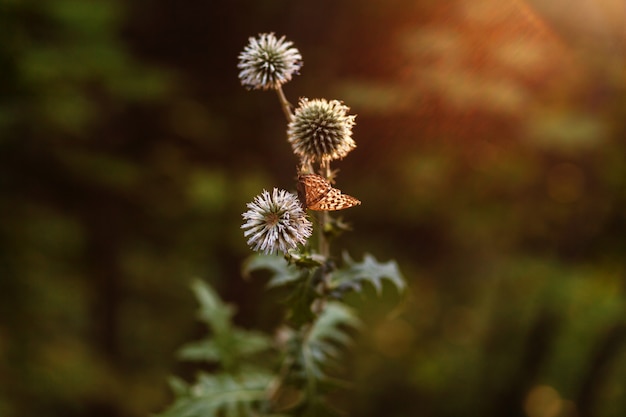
column 316, row 193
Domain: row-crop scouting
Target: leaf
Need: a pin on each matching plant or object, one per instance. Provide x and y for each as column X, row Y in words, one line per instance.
column 330, row 332
column 222, row 395
column 178, row 386
column 240, row 388
column 201, row 350
column 300, row 281
column 301, row 298
column 244, row 343
column 282, row 272
column 215, row 313
column 353, row 275
column 227, row 345
column 315, row 352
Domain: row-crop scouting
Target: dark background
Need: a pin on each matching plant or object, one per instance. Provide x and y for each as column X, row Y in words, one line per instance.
column 491, row 163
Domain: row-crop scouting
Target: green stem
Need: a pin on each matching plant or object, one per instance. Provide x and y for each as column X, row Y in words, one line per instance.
column 324, row 244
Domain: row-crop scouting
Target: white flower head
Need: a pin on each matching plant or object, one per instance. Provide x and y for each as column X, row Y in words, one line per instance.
column 276, row 222
column 321, row 130
column 267, row 62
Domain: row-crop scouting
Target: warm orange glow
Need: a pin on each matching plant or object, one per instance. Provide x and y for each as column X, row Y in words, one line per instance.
column 545, row 401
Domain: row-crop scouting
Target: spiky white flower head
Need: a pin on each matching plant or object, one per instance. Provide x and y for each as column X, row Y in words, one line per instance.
column 267, row 62
column 276, row 222
column 321, row 130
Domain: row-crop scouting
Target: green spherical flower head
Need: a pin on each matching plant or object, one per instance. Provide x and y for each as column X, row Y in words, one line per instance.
column 321, row 130
column 276, row 222
column 267, row 62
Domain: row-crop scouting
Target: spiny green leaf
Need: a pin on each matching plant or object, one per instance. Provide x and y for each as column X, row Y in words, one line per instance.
column 321, row 347
column 316, row 352
column 328, row 324
column 178, row 386
column 302, row 297
column 202, row 350
column 282, row 272
column 216, row 314
column 227, row 344
column 222, row 395
column 352, row 275
column 241, row 343
column 300, row 281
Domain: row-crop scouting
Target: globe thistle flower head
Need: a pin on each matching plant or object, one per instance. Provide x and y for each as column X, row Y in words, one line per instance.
column 267, row 62
column 321, row 130
column 276, row 222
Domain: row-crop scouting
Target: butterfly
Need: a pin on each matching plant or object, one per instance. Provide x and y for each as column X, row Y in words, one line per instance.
column 316, row 193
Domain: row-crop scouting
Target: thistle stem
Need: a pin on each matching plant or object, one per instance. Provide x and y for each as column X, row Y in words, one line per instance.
column 284, row 104
column 324, row 247
column 324, row 219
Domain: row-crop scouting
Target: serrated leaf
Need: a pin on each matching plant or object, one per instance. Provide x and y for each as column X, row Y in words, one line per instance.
column 301, row 298
column 215, row 313
column 252, row 342
column 227, row 345
column 241, row 343
column 222, row 395
column 316, row 353
column 352, row 275
column 328, row 325
column 178, row 386
column 328, row 334
column 282, row 272
column 201, row 350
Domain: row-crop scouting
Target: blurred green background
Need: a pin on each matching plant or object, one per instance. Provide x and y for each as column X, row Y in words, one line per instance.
column 491, row 163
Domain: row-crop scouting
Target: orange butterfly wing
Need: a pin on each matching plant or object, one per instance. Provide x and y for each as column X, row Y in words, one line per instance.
column 316, row 193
